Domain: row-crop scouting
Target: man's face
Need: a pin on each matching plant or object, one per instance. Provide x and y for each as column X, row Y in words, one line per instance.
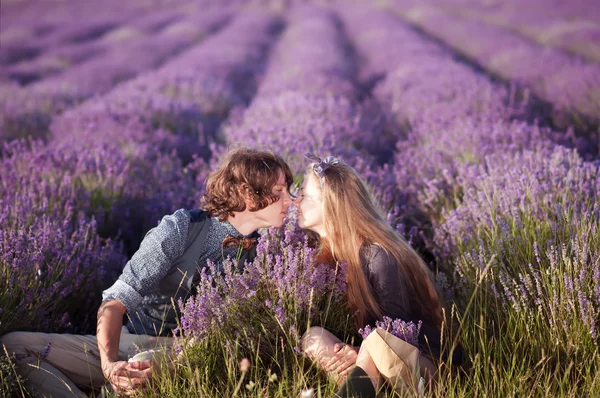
column 310, row 205
column 273, row 215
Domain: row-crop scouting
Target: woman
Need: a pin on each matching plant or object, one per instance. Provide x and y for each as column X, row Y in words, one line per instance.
column 385, row 276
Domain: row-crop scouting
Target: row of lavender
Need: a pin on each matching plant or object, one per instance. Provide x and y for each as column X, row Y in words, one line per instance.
column 312, row 100
column 111, row 170
column 53, row 58
column 566, row 82
column 579, row 36
column 27, row 111
column 571, row 26
column 438, row 107
column 308, row 98
column 495, row 190
column 32, row 30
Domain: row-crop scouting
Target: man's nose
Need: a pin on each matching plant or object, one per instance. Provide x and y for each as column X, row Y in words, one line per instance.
column 288, row 199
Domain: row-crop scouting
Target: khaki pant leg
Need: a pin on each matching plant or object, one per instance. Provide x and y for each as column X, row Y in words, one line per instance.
column 317, row 344
column 56, row 364
column 131, row 344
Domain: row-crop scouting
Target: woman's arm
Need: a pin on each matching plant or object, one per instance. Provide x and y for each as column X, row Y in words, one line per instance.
column 387, row 283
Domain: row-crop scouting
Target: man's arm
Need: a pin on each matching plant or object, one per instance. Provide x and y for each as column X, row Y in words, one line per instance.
column 158, row 250
column 123, row 376
column 108, row 331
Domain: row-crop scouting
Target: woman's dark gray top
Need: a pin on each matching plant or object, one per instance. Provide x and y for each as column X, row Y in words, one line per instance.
column 394, row 295
column 163, row 270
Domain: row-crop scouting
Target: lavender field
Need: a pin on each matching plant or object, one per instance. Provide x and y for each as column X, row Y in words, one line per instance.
column 476, row 123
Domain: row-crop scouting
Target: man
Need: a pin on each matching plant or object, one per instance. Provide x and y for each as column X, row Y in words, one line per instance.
column 250, row 190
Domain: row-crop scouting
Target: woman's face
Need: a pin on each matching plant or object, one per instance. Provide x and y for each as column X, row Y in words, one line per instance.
column 310, row 205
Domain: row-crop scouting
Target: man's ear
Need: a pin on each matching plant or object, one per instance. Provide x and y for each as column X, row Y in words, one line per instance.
column 245, row 192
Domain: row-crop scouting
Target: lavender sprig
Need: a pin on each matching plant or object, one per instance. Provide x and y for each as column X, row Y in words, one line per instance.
column 407, row 331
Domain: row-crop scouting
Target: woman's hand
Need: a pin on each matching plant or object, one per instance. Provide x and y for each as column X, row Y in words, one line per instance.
column 127, row 377
column 343, row 359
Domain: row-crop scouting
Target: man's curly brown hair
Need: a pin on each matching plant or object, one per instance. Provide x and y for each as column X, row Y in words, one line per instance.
column 245, row 173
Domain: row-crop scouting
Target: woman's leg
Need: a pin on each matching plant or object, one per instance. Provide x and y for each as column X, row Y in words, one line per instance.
column 363, row 381
column 428, row 371
column 366, row 363
column 317, row 344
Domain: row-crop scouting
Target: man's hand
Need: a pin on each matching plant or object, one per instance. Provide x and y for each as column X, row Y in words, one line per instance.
column 127, row 377
column 343, row 359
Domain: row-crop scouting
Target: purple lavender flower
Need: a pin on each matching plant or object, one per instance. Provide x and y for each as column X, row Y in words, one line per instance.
column 288, row 284
column 407, row 331
column 46, row 351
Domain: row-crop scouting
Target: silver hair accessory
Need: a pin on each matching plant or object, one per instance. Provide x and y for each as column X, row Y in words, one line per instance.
column 319, row 166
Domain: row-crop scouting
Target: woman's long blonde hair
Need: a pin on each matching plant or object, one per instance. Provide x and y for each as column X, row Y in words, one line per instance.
column 352, row 219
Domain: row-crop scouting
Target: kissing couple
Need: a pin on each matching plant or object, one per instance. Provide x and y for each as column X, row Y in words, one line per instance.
column 248, row 191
